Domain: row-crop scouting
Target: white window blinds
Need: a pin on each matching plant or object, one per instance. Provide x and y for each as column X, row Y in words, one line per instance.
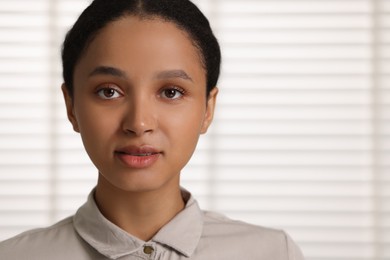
column 300, row 141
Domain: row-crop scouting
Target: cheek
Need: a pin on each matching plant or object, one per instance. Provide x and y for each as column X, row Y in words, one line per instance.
column 184, row 125
column 192, row 115
column 92, row 118
column 96, row 127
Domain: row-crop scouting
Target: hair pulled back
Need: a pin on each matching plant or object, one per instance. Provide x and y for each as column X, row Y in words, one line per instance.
column 183, row 13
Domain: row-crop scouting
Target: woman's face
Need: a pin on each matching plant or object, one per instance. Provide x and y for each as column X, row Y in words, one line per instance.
column 140, row 103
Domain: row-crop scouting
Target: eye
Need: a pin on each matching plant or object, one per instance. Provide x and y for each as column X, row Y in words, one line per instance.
column 172, row 93
column 109, row 93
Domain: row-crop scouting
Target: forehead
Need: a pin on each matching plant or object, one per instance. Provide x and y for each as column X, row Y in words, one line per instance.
column 140, row 45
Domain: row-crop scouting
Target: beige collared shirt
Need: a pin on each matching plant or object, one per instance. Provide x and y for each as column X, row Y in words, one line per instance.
column 192, row 234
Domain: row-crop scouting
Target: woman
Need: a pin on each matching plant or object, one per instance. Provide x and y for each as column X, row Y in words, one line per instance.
column 140, row 82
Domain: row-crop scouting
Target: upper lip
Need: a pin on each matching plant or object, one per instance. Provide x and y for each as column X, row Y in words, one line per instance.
column 138, row 150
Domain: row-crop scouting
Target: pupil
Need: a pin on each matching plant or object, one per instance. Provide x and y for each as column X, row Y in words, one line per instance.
column 109, row 92
column 170, row 93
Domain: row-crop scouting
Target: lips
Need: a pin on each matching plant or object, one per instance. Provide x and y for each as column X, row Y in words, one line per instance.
column 138, row 156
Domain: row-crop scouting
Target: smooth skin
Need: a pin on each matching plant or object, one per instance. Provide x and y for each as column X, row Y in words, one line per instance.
column 140, row 83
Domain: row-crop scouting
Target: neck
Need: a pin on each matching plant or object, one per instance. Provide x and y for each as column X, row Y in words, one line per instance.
column 141, row 214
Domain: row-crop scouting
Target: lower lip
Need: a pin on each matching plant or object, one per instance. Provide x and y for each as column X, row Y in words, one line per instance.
column 138, row 162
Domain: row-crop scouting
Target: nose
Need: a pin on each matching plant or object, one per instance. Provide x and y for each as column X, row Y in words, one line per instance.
column 139, row 118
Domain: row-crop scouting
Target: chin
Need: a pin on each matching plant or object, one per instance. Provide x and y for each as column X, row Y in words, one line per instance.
column 138, row 182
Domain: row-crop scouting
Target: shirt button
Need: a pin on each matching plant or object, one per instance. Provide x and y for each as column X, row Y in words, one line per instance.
column 148, row 250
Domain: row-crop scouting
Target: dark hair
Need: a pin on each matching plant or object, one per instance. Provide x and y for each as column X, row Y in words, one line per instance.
column 181, row 12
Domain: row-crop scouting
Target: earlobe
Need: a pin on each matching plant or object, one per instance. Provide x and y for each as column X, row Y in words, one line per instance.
column 211, row 101
column 69, row 108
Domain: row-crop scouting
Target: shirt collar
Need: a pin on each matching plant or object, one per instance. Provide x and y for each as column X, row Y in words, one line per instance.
column 182, row 233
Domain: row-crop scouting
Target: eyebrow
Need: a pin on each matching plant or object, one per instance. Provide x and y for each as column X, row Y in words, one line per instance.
column 106, row 70
column 167, row 74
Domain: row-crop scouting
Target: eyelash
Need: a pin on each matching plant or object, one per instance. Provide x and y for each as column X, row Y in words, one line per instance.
column 117, row 93
column 100, row 92
column 181, row 91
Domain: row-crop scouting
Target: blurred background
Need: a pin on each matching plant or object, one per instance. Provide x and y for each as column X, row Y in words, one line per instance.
column 301, row 139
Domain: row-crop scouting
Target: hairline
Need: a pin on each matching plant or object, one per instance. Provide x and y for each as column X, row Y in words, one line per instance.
column 143, row 16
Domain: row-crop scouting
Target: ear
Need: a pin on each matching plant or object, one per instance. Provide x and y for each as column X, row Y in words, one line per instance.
column 69, row 108
column 209, row 115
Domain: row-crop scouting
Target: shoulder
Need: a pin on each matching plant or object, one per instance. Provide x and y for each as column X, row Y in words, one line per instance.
column 253, row 239
column 42, row 233
column 41, row 242
column 218, row 224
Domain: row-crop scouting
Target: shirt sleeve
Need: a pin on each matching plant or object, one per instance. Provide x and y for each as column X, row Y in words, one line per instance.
column 294, row 252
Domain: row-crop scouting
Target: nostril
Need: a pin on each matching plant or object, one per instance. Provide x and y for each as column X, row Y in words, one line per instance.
column 138, row 132
column 139, row 123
